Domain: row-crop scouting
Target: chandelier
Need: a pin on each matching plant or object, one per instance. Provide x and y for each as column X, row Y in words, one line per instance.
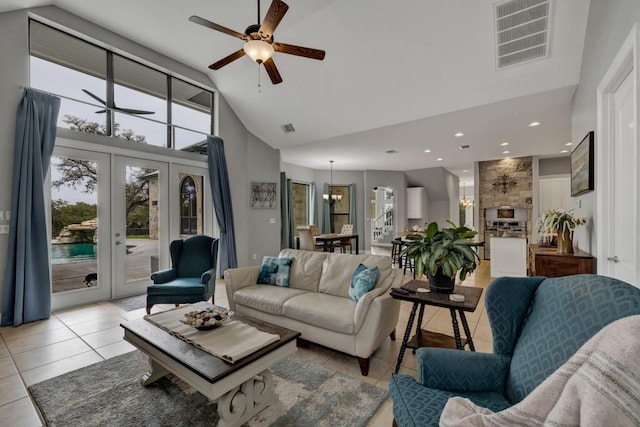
column 331, row 198
column 464, row 202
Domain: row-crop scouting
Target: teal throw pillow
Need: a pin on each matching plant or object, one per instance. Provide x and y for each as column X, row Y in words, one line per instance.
column 362, row 281
column 275, row 271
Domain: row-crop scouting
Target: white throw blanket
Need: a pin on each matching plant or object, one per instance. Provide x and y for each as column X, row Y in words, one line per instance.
column 598, row 386
column 230, row 342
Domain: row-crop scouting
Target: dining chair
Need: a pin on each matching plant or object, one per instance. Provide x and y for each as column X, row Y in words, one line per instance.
column 344, row 243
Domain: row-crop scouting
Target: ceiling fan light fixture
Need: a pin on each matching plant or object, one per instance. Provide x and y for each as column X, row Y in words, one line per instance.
column 258, row 50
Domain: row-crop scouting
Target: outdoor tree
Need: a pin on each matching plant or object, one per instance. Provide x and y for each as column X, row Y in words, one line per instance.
column 63, row 214
column 83, row 174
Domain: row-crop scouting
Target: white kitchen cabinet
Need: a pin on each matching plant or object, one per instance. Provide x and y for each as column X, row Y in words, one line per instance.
column 508, row 257
column 416, row 203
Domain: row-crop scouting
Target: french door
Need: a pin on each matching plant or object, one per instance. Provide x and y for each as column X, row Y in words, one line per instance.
column 140, row 218
column 112, row 216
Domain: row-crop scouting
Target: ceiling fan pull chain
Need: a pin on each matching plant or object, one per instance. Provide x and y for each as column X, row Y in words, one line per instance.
column 259, row 85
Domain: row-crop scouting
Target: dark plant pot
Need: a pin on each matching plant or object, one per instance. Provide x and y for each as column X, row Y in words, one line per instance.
column 440, row 282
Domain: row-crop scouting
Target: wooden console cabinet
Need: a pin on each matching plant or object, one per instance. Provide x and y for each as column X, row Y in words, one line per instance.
column 544, row 261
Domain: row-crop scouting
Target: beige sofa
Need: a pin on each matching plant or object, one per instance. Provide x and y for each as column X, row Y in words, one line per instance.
column 317, row 302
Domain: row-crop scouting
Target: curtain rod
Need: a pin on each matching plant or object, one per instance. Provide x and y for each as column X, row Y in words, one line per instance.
column 22, row 87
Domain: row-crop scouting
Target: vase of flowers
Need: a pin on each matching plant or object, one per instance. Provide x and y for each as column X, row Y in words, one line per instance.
column 560, row 223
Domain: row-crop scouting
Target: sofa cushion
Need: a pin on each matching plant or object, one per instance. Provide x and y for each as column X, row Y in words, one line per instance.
column 321, row 310
column 305, row 270
column 362, row 281
column 180, row 286
column 269, row 299
column 338, row 269
column 275, row 271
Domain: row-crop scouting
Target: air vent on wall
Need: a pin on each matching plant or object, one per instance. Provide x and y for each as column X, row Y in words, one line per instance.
column 522, row 31
column 288, row 128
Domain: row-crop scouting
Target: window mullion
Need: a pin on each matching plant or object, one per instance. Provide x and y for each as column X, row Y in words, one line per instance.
column 170, row 135
column 110, row 95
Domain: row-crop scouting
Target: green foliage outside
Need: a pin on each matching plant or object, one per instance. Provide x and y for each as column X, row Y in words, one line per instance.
column 82, row 174
column 63, row 214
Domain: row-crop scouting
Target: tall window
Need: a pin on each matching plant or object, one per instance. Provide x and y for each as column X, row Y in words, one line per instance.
column 188, row 207
column 301, row 202
column 130, row 100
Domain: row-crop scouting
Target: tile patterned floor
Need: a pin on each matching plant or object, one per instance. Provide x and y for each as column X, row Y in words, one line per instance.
column 81, row 336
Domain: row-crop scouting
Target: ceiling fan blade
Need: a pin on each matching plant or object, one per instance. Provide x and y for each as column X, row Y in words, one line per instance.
column 94, row 97
column 132, row 111
column 227, row 59
column 101, row 111
column 273, row 17
column 306, row 52
column 272, row 70
column 213, row 26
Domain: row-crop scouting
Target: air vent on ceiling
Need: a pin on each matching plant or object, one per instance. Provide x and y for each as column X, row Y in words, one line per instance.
column 288, row 128
column 522, row 31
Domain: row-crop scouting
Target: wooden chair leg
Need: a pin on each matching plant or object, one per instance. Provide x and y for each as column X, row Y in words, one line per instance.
column 364, row 366
column 177, row 305
column 149, row 308
column 392, row 335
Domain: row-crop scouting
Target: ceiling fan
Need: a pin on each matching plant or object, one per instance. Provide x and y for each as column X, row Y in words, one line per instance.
column 259, row 44
column 124, row 110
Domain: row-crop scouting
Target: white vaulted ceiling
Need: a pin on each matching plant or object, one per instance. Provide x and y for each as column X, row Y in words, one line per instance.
column 398, row 75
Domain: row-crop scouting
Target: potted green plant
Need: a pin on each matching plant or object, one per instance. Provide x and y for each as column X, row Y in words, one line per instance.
column 560, row 223
column 441, row 254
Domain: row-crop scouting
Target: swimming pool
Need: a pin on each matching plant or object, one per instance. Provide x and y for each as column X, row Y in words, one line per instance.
column 72, row 252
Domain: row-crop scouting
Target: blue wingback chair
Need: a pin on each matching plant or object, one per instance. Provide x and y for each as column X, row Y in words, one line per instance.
column 536, row 323
column 192, row 275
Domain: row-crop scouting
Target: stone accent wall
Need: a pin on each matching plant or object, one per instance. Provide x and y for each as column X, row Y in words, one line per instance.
column 506, row 182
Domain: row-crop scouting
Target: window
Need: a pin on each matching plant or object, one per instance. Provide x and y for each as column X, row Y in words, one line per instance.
column 191, row 203
column 339, row 211
column 301, row 202
column 167, row 111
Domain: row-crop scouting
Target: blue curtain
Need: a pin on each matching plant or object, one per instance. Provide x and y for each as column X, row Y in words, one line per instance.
column 352, row 204
column 219, row 179
column 26, row 294
column 326, row 213
column 286, row 211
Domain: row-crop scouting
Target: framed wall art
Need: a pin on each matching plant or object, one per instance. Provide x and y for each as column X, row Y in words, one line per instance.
column 582, row 166
column 263, row 195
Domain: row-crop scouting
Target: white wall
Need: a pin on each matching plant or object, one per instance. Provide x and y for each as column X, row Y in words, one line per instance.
column 609, row 23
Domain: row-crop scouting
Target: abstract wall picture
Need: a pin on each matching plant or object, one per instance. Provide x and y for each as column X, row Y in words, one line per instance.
column 263, row 195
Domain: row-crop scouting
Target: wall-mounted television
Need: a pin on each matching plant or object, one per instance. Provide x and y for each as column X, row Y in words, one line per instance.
column 582, row 166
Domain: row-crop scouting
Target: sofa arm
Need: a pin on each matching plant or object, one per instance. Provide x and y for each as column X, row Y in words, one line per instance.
column 456, row 370
column 362, row 307
column 164, row 276
column 238, row 278
column 208, row 279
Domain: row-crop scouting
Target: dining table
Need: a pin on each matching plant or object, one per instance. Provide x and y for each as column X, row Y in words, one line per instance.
column 328, row 241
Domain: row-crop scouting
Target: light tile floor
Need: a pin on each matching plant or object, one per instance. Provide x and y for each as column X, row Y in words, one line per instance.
column 81, row 336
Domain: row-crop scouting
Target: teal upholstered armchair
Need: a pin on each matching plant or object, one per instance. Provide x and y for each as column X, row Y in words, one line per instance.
column 537, row 324
column 192, row 275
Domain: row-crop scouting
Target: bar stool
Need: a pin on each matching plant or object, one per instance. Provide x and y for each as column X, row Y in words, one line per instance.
column 408, row 264
column 396, row 248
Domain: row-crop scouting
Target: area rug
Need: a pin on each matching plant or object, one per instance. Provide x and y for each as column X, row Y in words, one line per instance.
column 109, row 393
column 131, row 303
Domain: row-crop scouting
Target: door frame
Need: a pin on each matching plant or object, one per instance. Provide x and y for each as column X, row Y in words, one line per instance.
column 178, row 161
column 626, row 61
column 104, row 261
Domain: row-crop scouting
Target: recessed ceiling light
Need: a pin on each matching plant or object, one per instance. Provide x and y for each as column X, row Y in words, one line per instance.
column 439, row 159
column 504, row 144
column 533, row 124
column 564, row 151
column 459, row 134
column 465, row 170
column 506, row 152
column 427, row 151
column 569, row 144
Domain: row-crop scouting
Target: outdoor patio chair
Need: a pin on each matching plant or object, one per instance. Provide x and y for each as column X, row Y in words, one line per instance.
column 192, row 275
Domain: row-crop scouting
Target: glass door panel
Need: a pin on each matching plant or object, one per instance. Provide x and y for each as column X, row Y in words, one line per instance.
column 140, row 228
column 80, row 256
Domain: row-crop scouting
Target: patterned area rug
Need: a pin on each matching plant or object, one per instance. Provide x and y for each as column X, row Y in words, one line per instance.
column 109, row 394
column 131, row 303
